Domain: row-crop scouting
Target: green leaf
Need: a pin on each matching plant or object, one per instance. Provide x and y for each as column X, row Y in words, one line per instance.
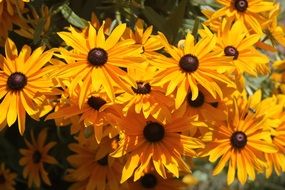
column 39, row 29
column 175, row 21
column 71, row 17
column 155, row 19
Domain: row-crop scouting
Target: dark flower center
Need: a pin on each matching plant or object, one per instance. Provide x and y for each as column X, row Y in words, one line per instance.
column 238, row 139
column 198, row 102
column 96, row 102
column 142, row 88
column 148, row 181
column 2, row 179
column 214, row 104
column 17, row 81
column 37, row 156
column 153, row 132
column 231, row 51
column 189, row 63
column 103, row 161
column 97, row 57
column 241, row 5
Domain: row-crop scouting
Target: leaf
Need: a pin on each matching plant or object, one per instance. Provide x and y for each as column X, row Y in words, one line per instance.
column 71, row 17
column 174, row 22
column 39, row 29
column 155, row 19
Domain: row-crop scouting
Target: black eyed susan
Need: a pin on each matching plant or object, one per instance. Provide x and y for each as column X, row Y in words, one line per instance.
column 249, row 12
column 34, row 158
column 207, row 107
column 191, row 65
column 152, row 181
column 150, row 43
column 7, row 178
column 146, row 98
column 93, row 165
column 22, row 82
column 275, row 160
column 240, row 141
column 148, row 141
column 97, row 111
column 245, row 57
column 98, row 60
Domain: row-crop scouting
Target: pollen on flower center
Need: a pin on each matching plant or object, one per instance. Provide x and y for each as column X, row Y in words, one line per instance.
column 148, row 181
column 97, row 57
column 142, row 88
column 241, row 5
column 153, row 132
column 238, row 139
column 198, row 102
column 17, row 81
column 103, row 161
column 37, row 156
column 231, row 51
column 189, row 63
column 96, row 102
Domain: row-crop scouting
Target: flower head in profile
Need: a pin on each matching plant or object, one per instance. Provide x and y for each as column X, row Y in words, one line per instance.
column 149, row 43
column 190, row 65
column 240, row 141
column 23, row 79
column 99, row 60
column 34, row 157
column 7, row 178
column 148, row 141
column 250, row 12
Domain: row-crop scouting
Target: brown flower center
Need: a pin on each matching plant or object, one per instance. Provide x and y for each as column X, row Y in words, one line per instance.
column 2, row 179
column 37, row 156
column 148, row 181
column 198, row 102
column 238, row 139
column 142, row 88
column 97, row 57
column 103, row 161
column 96, row 102
column 240, row 5
column 153, row 132
column 189, row 63
column 231, row 51
column 17, row 81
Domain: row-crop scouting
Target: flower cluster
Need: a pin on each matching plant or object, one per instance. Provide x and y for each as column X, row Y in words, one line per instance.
column 141, row 108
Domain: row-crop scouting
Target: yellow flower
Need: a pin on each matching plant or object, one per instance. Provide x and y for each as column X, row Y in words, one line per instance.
column 34, row 157
column 146, row 98
column 149, row 43
column 241, row 141
column 151, row 180
column 22, row 82
column 97, row 111
column 275, row 32
column 249, row 12
column 246, row 58
column 98, row 60
column 148, row 141
column 190, row 66
column 7, row 178
column 93, row 165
